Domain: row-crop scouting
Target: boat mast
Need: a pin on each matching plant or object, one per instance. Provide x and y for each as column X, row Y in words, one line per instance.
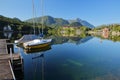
column 42, row 15
column 33, row 15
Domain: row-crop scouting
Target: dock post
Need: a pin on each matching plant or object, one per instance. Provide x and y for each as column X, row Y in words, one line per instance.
column 11, row 56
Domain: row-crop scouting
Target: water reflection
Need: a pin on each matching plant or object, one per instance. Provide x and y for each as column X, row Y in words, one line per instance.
column 42, row 66
column 38, row 61
column 8, row 35
column 60, row 39
column 75, row 40
column 34, row 61
column 73, row 58
column 84, row 40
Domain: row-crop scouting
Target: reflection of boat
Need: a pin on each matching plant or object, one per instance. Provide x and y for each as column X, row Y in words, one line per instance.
column 37, row 43
column 28, row 51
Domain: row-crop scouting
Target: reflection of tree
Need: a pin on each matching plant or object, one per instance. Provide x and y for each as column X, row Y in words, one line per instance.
column 114, row 38
column 110, row 37
column 57, row 39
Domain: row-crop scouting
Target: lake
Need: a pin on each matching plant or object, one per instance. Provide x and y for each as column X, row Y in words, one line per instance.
column 74, row 58
column 71, row 58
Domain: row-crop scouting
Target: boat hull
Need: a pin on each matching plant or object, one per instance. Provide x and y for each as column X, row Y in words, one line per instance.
column 30, row 51
column 37, row 46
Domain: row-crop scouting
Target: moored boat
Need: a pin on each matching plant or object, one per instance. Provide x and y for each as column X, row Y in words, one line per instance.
column 38, row 50
column 37, row 43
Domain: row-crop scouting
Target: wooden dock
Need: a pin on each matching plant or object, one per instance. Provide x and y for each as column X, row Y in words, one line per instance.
column 6, row 72
column 3, row 46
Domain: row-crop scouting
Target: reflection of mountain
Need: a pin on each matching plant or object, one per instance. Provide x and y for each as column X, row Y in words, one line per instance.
column 58, row 39
column 76, row 40
column 85, row 39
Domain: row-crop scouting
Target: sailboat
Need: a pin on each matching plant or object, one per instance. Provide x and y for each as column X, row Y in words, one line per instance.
column 37, row 43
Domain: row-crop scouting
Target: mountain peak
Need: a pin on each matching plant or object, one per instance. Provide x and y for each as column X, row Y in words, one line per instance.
column 83, row 22
column 51, row 21
column 78, row 19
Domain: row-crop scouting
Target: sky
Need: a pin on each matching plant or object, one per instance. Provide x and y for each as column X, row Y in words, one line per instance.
column 96, row 12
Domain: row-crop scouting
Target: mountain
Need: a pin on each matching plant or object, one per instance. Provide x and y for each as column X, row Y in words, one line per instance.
column 75, row 24
column 14, row 23
column 51, row 21
column 83, row 22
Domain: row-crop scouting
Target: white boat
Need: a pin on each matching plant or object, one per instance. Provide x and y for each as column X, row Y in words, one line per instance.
column 37, row 43
column 25, row 38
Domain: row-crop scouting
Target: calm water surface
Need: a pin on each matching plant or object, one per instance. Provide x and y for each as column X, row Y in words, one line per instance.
column 84, row 59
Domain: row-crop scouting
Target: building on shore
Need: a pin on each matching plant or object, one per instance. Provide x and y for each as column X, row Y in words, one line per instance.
column 105, row 32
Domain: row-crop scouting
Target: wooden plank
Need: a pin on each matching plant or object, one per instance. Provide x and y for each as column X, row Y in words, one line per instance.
column 7, row 56
column 6, row 72
column 3, row 46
